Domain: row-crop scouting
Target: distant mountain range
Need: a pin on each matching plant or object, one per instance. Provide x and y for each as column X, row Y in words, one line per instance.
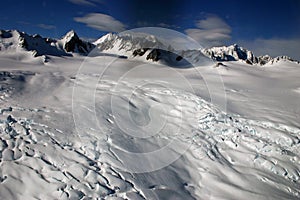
column 126, row 46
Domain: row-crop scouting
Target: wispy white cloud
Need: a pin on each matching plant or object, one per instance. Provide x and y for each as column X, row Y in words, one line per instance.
column 212, row 31
column 85, row 2
column 274, row 46
column 149, row 24
column 101, row 22
column 171, row 26
column 46, row 26
column 23, row 22
column 144, row 24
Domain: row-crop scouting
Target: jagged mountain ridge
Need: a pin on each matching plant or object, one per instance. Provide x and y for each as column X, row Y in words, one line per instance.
column 13, row 40
column 127, row 46
column 150, row 48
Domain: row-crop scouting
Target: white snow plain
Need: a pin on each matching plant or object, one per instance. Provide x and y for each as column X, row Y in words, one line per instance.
column 147, row 131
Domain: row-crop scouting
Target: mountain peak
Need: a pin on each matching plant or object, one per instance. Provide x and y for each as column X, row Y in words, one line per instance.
column 72, row 43
column 69, row 35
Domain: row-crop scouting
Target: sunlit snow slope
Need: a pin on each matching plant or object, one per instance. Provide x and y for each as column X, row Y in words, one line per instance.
column 152, row 134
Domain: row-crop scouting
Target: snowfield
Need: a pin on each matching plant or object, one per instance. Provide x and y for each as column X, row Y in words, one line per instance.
column 148, row 135
column 122, row 124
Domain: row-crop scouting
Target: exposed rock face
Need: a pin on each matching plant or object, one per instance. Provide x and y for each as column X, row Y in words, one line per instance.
column 262, row 60
column 219, row 64
column 179, row 58
column 140, row 52
column 154, row 55
column 72, row 43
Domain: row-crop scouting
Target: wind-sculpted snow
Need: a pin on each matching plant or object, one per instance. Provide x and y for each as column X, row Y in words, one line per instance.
column 218, row 155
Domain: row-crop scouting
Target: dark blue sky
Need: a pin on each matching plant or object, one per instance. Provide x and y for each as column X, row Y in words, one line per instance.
column 210, row 22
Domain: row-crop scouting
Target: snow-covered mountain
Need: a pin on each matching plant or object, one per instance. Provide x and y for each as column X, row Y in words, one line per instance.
column 141, row 47
column 147, row 48
column 150, row 47
column 132, row 46
column 237, row 53
column 12, row 41
column 127, row 42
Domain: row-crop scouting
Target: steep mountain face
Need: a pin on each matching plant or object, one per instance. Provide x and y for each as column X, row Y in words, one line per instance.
column 237, row 53
column 12, row 41
column 72, row 43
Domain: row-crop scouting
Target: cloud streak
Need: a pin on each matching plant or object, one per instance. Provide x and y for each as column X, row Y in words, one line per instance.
column 46, row 26
column 212, row 31
column 101, row 22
